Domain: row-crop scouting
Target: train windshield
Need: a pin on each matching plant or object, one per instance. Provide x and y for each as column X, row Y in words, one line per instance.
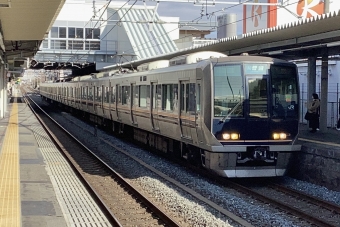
column 272, row 90
column 229, row 91
column 284, row 92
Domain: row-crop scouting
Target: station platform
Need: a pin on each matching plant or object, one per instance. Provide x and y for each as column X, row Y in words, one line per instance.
column 37, row 185
column 330, row 136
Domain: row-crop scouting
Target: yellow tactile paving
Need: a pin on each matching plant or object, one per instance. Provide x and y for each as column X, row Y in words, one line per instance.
column 10, row 210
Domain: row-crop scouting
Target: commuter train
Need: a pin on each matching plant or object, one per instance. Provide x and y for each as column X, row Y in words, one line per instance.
column 234, row 115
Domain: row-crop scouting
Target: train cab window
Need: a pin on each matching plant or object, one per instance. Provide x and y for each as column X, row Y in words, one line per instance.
column 228, row 90
column 284, row 91
column 144, row 96
column 258, row 100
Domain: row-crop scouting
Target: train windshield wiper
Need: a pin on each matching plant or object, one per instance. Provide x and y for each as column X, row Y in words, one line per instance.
column 231, row 111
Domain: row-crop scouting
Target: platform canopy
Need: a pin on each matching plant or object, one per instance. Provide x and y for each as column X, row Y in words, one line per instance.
column 23, row 26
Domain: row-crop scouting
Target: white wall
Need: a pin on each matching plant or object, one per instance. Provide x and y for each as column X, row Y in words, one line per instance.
column 171, row 26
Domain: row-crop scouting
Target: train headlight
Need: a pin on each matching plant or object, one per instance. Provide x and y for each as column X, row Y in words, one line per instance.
column 230, row 136
column 279, row 136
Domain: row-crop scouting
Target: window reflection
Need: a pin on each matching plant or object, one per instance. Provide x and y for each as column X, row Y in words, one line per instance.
column 229, row 91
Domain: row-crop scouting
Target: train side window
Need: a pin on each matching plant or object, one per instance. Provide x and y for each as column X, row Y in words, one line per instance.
column 107, row 95
column 99, row 94
column 198, row 98
column 187, row 95
column 175, row 95
column 82, row 92
column 144, row 95
column 135, row 93
column 191, row 98
column 182, row 97
column 119, row 96
column 113, row 94
column 125, row 95
column 167, row 97
column 90, row 94
column 159, row 96
column 156, row 96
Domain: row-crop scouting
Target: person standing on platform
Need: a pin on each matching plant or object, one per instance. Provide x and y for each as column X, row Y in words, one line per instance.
column 314, row 109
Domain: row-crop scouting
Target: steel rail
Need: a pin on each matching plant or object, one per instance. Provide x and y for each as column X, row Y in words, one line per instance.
column 156, row 210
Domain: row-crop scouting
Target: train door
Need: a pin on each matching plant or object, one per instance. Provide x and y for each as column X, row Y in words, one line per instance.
column 155, row 94
column 185, row 119
column 198, row 113
column 258, row 107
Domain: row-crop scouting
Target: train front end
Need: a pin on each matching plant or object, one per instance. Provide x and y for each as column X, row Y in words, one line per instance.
column 255, row 118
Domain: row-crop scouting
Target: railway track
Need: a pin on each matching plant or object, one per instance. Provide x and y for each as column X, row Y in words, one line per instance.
column 238, row 221
column 120, row 201
column 311, row 210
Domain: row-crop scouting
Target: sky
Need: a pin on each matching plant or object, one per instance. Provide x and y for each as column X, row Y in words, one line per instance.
column 190, row 12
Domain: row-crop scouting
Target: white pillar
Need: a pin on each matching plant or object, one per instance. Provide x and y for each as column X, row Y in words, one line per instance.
column 311, row 78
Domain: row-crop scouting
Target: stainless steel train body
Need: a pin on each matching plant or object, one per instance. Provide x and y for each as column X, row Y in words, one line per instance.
column 238, row 116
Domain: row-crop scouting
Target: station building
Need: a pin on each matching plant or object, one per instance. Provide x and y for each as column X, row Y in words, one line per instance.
column 88, row 32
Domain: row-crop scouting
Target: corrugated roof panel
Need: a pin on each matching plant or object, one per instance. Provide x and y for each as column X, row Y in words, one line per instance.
column 145, row 42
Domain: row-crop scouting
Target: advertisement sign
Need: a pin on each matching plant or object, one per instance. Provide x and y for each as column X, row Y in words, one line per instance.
column 293, row 10
column 256, row 17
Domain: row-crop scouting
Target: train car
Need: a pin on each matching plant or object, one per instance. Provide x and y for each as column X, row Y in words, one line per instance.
column 234, row 115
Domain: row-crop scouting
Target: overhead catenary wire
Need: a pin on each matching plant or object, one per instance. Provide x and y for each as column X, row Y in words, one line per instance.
column 225, row 8
column 141, row 44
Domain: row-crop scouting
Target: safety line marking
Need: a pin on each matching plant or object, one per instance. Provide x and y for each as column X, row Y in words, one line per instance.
column 10, row 209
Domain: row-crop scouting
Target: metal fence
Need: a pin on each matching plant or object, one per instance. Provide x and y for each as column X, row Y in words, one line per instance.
column 333, row 104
